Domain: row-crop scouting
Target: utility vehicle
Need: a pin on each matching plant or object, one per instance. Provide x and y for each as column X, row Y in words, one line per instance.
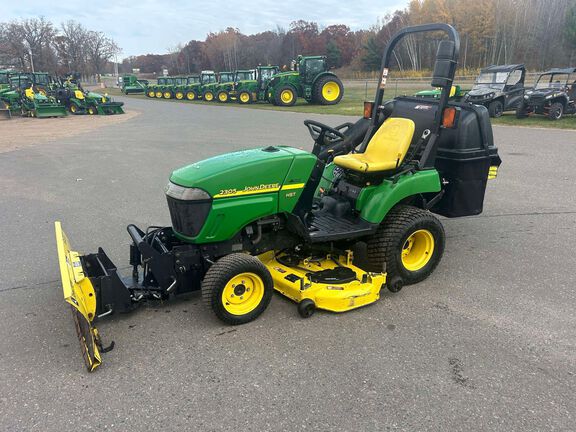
column 553, row 95
column 499, row 88
column 310, row 80
column 248, row 91
column 249, row 222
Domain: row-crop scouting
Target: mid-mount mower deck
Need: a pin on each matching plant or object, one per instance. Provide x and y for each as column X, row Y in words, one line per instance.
column 249, row 222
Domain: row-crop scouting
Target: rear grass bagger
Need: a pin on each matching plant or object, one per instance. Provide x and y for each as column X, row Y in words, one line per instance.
column 279, row 218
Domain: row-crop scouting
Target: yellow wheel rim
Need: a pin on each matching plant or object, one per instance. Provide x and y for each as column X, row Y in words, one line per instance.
column 158, row 94
column 42, row 92
column 167, row 95
column 417, row 250
column 179, row 95
column 151, row 94
column 209, row 96
column 243, row 293
column 73, row 108
column 330, row 91
column 244, row 97
column 223, row 97
column 91, row 111
column 190, row 96
column 287, row 96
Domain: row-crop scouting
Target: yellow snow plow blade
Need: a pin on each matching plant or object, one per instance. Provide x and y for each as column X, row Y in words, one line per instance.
column 79, row 293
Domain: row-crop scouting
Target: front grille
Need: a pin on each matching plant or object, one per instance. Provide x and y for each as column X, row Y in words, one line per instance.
column 188, row 217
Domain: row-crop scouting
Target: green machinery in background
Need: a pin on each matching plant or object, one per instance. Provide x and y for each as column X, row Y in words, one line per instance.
column 248, row 91
column 132, row 85
column 181, row 90
column 210, row 89
column 227, row 90
column 69, row 92
column 310, row 80
column 25, row 99
column 157, row 90
column 456, row 93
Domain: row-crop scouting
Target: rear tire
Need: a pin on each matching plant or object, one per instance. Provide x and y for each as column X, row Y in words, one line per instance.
column 223, row 96
column 521, row 111
column 191, row 96
column 167, row 95
column 328, row 90
column 179, row 95
column 238, row 288
column 495, row 108
column 285, row 96
column 556, row 110
column 410, row 242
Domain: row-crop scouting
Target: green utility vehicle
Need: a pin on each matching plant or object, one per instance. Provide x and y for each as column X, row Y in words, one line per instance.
column 226, row 91
column 132, row 85
column 210, row 89
column 279, row 218
column 23, row 98
column 310, row 80
column 456, row 93
column 248, row 91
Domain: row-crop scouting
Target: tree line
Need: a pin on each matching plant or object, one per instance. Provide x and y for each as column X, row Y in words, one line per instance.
column 539, row 33
column 63, row 49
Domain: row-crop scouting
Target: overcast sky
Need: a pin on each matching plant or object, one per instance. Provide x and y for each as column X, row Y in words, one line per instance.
column 149, row 26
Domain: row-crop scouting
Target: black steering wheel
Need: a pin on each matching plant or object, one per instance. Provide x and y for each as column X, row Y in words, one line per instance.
column 322, row 134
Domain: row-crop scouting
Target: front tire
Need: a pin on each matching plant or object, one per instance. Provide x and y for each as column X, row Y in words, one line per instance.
column 285, row 96
column 208, row 96
column 238, row 288
column 167, row 95
column 191, row 96
column 223, row 96
column 244, row 98
column 410, row 242
column 151, row 94
column 521, row 111
column 179, row 95
column 556, row 110
column 495, row 108
column 328, row 90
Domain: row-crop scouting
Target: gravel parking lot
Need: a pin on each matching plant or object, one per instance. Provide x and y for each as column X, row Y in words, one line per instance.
column 487, row 343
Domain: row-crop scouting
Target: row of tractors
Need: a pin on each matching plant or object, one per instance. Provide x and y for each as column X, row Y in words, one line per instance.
column 309, row 79
column 38, row 94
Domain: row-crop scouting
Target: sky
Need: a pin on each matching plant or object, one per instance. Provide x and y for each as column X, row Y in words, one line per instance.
column 148, row 26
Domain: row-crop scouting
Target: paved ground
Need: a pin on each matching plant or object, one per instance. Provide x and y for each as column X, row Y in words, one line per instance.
column 487, row 343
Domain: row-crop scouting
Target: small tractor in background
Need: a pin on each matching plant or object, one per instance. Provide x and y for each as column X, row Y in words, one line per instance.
column 25, row 99
column 498, row 88
column 157, row 90
column 132, row 85
column 248, row 91
column 69, row 92
column 181, row 90
column 227, row 90
column 553, row 95
column 310, row 80
column 197, row 85
column 4, row 83
column 210, row 89
column 176, row 83
column 456, row 93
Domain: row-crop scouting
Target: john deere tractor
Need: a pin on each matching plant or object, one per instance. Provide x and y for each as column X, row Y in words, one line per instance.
column 23, row 98
column 132, row 85
column 210, row 89
column 185, row 85
column 279, row 218
column 157, row 90
column 69, row 92
column 227, row 90
column 4, row 83
column 248, row 91
column 310, row 80
column 196, row 86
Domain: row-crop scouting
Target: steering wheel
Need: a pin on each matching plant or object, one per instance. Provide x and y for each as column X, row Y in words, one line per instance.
column 321, row 133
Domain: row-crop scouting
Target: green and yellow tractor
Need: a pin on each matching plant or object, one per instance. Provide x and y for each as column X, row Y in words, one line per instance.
column 181, row 91
column 225, row 91
column 279, row 218
column 310, row 80
column 456, row 93
column 69, row 92
column 25, row 99
column 255, row 90
column 157, row 90
column 197, row 85
column 210, row 89
column 132, row 85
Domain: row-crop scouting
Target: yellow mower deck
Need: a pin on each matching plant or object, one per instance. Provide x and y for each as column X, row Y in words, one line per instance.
column 79, row 293
column 295, row 282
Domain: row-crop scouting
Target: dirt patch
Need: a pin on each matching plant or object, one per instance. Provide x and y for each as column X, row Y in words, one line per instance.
column 24, row 132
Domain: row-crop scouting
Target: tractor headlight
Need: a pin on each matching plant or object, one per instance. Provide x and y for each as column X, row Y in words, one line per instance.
column 549, row 97
column 186, row 194
column 526, row 97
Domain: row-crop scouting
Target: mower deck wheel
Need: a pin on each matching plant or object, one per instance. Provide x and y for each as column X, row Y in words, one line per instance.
column 410, row 242
column 238, row 288
column 306, row 308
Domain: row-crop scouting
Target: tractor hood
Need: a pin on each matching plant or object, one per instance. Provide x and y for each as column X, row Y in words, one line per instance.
column 245, row 172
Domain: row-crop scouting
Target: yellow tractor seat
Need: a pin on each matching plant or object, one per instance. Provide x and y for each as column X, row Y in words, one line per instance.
column 386, row 149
